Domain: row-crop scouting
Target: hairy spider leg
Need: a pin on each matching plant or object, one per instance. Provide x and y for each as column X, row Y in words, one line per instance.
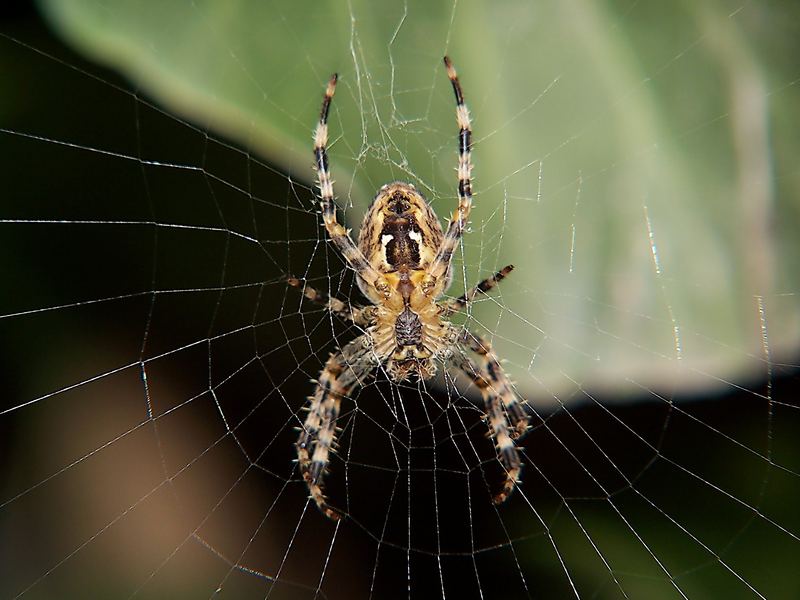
column 459, row 218
column 501, row 384
column 342, row 372
column 360, row 315
column 456, row 304
column 506, row 417
column 338, row 234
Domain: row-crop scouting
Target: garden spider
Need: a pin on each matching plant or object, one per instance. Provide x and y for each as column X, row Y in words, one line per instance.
column 402, row 263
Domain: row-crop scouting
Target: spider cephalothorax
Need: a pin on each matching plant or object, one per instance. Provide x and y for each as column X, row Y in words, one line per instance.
column 402, row 263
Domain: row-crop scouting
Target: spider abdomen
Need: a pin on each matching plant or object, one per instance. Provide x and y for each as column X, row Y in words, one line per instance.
column 400, row 229
column 400, row 238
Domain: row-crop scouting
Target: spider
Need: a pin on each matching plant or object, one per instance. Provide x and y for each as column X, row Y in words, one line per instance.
column 402, row 262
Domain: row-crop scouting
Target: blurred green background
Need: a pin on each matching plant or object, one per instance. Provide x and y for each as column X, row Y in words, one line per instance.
column 590, row 120
column 603, row 131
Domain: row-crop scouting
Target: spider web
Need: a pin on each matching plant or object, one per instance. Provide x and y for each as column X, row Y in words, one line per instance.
column 157, row 364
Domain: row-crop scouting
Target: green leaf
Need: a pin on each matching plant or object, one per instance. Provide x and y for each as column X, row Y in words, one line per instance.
column 636, row 164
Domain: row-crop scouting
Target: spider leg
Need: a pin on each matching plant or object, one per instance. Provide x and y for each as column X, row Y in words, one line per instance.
column 501, row 385
column 340, row 375
column 507, row 420
column 498, row 426
column 361, row 316
column 338, row 234
column 451, row 306
column 458, row 222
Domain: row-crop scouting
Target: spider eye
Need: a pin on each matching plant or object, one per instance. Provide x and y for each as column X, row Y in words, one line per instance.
column 398, row 204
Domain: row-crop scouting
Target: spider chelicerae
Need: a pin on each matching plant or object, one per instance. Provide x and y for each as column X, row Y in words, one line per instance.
column 402, row 262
